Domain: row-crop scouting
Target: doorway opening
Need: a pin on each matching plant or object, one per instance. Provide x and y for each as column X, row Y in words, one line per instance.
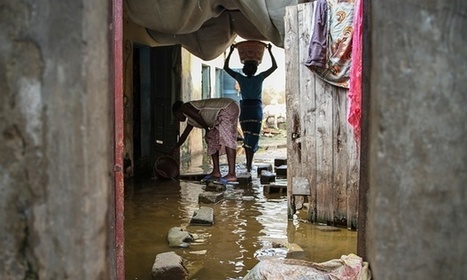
column 158, row 124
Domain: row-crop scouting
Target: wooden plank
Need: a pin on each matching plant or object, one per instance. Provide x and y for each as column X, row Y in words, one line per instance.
column 341, row 156
column 324, row 152
column 307, row 104
column 353, row 179
column 292, row 102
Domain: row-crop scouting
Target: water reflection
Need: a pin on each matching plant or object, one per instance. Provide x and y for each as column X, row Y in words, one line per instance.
column 248, row 227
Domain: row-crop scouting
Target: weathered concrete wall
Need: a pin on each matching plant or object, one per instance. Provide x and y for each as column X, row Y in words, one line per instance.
column 417, row 200
column 55, row 140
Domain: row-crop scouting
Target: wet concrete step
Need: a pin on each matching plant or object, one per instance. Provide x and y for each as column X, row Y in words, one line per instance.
column 210, row 197
column 280, row 161
column 263, row 167
column 212, row 187
column 203, row 216
column 244, row 178
column 281, row 171
column 267, row 177
column 279, row 187
column 169, row 265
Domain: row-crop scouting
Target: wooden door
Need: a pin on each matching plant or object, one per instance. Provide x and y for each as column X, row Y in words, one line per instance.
column 323, row 167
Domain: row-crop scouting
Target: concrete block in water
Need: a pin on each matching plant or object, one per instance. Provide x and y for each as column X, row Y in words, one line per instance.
column 203, row 216
column 263, row 167
column 267, row 177
column 280, row 161
column 281, row 171
column 244, row 179
column 210, row 197
column 212, row 187
column 279, row 187
column 295, row 251
column 169, row 265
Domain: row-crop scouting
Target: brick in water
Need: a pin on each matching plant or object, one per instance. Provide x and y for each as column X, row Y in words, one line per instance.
column 210, row 197
column 281, row 171
column 169, row 265
column 295, row 251
column 280, row 161
column 267, row 177
column 263, row 167
column 279, row 186
column 212, row 187
column 203, row 216
column 244, row 179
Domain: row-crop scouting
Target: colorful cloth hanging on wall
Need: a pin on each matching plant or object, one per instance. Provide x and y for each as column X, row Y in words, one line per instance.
column 355, row 88
column 330, row 48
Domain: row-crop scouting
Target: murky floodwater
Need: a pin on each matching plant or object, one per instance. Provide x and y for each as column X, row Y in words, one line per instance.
column 249, row 226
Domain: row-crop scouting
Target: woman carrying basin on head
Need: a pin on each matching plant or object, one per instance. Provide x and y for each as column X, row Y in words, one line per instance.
column 251, row 106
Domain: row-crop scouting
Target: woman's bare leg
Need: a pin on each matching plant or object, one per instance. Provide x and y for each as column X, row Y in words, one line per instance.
column 216, row 172
column 231, row 158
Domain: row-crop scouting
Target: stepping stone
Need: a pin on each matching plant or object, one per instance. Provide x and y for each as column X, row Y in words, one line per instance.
column 169, row 265
column 281, row 171
column 276, row 187
column 263, row 167
column 280, row 161
column 213, row 187
column 267, row 177
column 295, row 251
column 210, row 197
column 203, row 216
column 244, row 179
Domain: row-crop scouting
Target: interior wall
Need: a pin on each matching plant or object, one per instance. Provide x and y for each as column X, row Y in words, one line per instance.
column 191, row 90
column 417, row 199
column 55, row 141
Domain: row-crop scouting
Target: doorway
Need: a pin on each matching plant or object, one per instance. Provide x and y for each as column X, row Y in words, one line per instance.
column 141, row 107
column 155, row 87
column 159, row 92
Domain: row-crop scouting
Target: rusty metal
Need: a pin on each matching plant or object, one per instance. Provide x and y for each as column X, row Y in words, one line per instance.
column 117, row 40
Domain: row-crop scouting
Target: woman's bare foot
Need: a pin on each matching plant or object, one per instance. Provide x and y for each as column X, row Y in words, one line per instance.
column 215, row 174
column 230, row 178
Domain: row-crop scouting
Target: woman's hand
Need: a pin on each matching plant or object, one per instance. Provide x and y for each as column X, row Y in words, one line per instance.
column 208, row 135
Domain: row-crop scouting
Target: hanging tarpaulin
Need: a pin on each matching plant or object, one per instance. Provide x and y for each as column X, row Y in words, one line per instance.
column 207, row 28
column 331, row 44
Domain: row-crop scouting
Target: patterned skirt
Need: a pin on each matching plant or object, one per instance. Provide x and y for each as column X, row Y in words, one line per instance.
column 251, row 118
column 224, row 132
